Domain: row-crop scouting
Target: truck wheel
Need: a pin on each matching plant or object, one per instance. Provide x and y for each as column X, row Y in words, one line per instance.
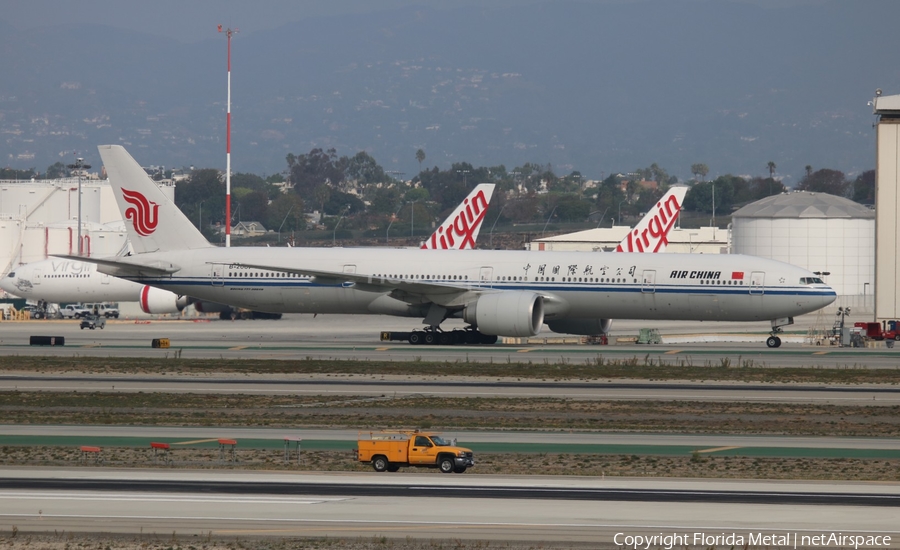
column 380, row 463
column 393, row 467
column 446, row 465
column 897, row 337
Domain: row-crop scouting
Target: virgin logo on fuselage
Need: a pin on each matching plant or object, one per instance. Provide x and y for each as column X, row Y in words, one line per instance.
column 463, row 226
column 656, row 233
column 142, row 213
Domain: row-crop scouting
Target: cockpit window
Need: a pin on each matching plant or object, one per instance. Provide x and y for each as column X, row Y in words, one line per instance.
column 12, row 275
column 811, row 281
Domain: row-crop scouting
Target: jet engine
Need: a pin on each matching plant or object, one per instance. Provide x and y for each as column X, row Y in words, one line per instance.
column 155, row 300
column 508, row 313
column 587, row 327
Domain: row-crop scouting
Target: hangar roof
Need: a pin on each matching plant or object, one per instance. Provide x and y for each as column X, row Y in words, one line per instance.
column 803, row 204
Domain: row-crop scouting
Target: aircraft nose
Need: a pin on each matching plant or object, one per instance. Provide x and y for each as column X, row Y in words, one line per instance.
column 8, row 283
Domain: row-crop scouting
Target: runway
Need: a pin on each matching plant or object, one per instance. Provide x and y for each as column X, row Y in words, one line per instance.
column 432, row 506
column 402, row 386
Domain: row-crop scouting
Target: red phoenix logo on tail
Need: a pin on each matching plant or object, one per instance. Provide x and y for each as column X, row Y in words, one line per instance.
column 142, row 213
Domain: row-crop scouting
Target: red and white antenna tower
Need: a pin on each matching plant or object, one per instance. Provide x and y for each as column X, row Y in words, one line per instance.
column 228, row 33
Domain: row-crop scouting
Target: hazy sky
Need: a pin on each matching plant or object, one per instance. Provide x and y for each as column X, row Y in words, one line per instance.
column 196, row 20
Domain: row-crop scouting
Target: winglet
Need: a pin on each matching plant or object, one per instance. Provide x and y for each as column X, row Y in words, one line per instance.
column 153, row 221
column 460, row 230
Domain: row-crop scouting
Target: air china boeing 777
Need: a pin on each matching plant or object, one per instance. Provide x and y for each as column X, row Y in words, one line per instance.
column 499, row 293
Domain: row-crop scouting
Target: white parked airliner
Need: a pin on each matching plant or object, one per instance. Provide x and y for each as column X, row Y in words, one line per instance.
column 57, row 280
column 500, row 293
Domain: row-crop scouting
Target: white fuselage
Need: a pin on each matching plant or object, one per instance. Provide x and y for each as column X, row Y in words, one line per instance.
column 576, row 285
column 59, row 281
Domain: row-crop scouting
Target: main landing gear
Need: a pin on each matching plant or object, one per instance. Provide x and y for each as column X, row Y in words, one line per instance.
column 433, row 336
column 773, row 341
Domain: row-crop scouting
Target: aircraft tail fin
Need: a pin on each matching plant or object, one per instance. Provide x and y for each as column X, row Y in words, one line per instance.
column 651, row 234
column 153, row 221
column 460, row 230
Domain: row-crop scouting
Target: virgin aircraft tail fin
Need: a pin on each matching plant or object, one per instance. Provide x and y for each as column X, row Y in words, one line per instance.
column 153, row 221
column 460, row 230
column 651, row 234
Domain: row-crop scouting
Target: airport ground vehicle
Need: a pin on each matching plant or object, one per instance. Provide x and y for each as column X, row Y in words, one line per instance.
column 876, row 331
column 92, row 322
column 389, row 451
column 73, row 311
column 105, row 310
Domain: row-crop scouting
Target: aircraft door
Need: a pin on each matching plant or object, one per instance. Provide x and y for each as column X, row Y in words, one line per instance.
column 648, row 282
column 104, row 279
column 217, row 273
column 423, row 451
column 348, row 268
column 485, row 276
column 757, row 282
column 36, row 280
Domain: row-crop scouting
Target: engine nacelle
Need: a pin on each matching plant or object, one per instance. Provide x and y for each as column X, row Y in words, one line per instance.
column 155, row 300
column 506, row 313
column 586, row 327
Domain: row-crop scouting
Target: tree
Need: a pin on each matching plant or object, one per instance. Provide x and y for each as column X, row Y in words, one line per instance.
column 864, row 188
column 699, row 170
column 363, row 169
column 420, row 156
column 771, row 166
column 57, row 170
column 825, row 181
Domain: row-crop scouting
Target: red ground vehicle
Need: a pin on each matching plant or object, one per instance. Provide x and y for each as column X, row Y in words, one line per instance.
column 875, row 331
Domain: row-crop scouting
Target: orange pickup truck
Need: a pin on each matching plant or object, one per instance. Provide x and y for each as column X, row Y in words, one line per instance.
column 388, row 451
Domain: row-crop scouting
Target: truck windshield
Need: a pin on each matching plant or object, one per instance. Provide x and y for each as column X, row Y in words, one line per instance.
column 439, row 441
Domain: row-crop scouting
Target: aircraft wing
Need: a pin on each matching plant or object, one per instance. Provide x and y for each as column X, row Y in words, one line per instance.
column 445, row 294
column 120, row 267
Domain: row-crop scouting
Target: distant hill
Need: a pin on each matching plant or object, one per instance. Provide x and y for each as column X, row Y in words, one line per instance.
column 591, row 87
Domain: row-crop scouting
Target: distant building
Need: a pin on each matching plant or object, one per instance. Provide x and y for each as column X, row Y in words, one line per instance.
column 248, row 229
column 701, row 240
column 816, row 231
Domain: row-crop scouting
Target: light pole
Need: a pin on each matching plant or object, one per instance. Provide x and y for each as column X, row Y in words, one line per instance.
column 412, row 217
column 601, row 216
column 79, row 167
column 200, row 223
column 713, row 184
column 463, row 172
column 387, row 234
column 620, row 210
column 282, row 221
column 495, row 223
column 334, row 235
column 548, row 220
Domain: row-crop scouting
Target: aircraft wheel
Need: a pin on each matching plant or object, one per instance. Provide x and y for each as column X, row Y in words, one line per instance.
column 777, row 342
column 488, row 339
column 415, row 338
column 773, row 341
column 472, row 337
column 446, row 338
column 430, row 339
